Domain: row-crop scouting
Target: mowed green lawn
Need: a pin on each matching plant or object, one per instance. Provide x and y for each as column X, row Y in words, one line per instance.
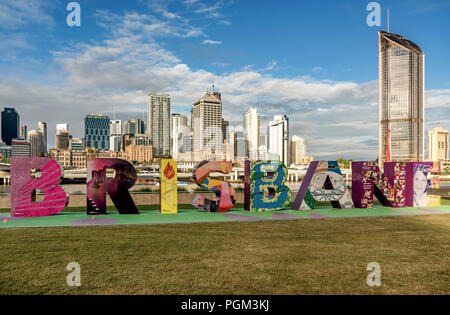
column 279, row 257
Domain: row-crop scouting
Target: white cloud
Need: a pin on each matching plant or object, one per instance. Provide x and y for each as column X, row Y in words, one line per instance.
column 211, row 42
column 270, row 66
column 225, row 22
column 15, row 14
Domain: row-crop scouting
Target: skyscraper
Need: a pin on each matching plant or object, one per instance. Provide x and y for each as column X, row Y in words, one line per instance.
column 401, row 72
column 134, row 126
column 36, row 143
column 10, row 125
column 158, row 122
column 62, row 140
column 24, row 132
column 207, row 123
column 298, row 149
column 62, row 127
column 115, row 130
column 251, row 130
column 437, row 144
column 240, row 146
column 115, row 127
column 42, row 126
column 225, row 130
column 179, row 132
column 96, row 131
column 279, row 138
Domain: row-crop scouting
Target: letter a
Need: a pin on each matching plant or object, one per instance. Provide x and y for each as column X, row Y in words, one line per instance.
column 74, row 17
column 374, row 17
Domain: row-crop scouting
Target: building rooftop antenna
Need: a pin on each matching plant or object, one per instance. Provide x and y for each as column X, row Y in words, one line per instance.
column 388, row 19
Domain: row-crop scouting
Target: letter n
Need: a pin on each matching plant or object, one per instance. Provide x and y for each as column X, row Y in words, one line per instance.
column 368, row 179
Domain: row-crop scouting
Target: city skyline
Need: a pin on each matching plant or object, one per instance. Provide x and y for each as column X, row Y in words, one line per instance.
column 324, row 77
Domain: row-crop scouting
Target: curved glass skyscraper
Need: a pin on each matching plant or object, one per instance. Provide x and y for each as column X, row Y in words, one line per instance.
column 400, row 98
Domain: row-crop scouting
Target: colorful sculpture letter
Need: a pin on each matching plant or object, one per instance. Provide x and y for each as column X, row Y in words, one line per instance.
column 323, row 182
column 367, row 180
column 225, row 194
column 417, row 184
column 23, row 186
column 168, row 194
column 117, row 188
column 267, row 191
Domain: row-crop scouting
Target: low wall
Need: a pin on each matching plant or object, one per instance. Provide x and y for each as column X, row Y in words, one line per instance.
column 146, row 198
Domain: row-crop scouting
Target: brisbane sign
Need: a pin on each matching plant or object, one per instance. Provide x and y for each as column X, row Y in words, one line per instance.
column 399, row 185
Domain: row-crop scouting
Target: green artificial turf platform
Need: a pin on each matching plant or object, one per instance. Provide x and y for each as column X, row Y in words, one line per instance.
column 197, row 216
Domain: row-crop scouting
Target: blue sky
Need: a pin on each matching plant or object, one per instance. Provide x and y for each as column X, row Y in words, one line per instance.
column 315, row 61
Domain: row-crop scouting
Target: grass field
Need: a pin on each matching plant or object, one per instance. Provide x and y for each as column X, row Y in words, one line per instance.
column 279, row 257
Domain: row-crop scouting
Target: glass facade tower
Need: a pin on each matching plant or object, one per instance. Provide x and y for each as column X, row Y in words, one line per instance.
column 400, row 98
column 10, row 125
column 96, row 131
column 158, row 122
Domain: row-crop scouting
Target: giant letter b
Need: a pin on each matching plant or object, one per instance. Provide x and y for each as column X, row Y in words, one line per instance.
column 22, row 187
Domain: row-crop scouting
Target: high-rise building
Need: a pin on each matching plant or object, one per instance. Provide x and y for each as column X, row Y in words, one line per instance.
column 115, row 138
column 115, row 127
column 62, row 140
column 207, row 123
column 437, row 144
column 115, row 143
column 134, row 126
column 180, row 131
column 263, row 153
column 264, row 140
column 36, row 139
column 140, row 139
column 225, row 130
column 20, row 147
column 62, row 127
column 96, row 130
column 240, row 146
column 401, row 72
column 279, row 138
column 136, row 139
column 298, row 149
column 24, row 132
column 232, row 147
column 42, row 126
column 76, row 144
column 251, row 131
column 158, row 122
column 10, row 125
